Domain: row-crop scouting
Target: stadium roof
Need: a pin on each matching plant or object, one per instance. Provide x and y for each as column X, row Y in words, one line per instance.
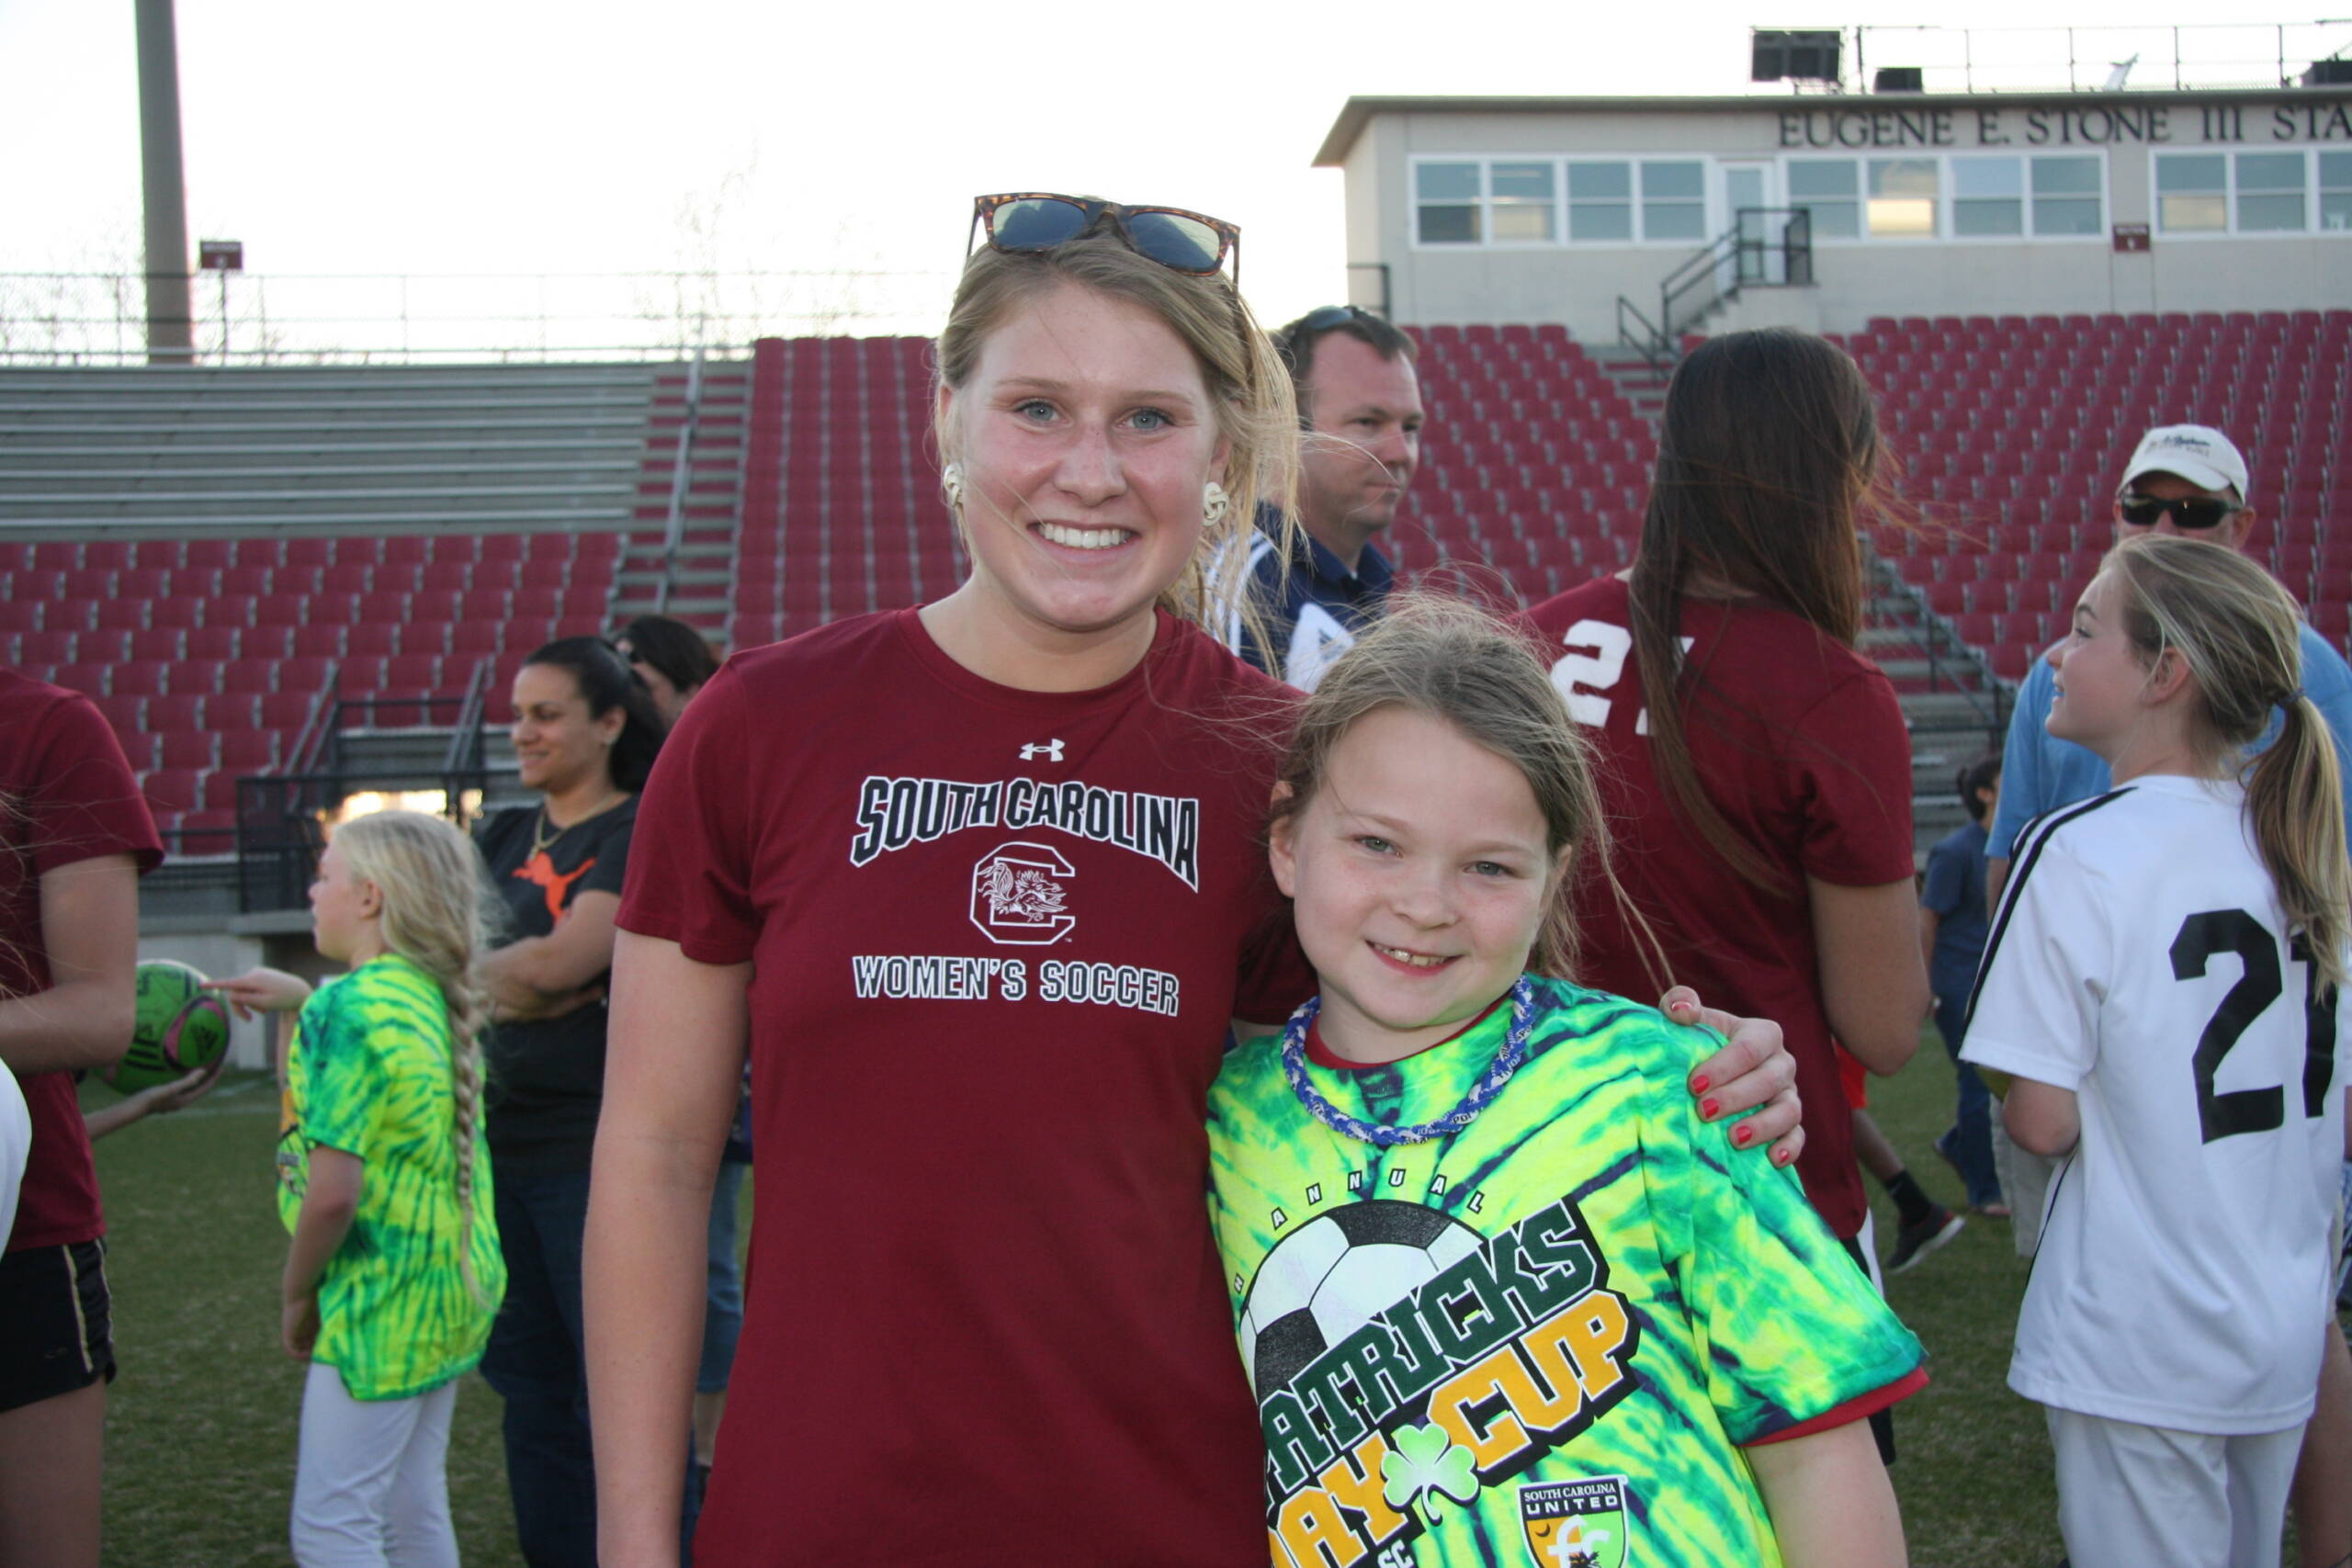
column 1358, row 112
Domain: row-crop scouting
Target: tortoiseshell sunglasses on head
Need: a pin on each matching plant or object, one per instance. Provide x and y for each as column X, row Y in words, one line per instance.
column 1182, row 241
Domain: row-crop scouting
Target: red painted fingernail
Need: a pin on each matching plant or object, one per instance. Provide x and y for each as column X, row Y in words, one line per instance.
column 1699, row 1082
column 1740, row 1135
column 1780, row 1158
column 1707, row 1109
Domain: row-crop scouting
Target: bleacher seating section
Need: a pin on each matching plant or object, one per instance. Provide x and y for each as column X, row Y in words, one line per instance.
column 371, row 523
column 842, row 511
column 216, row 542
column 2013, row 431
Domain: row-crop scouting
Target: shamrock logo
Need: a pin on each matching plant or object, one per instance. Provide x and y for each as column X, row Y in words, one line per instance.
column 1423, row 1463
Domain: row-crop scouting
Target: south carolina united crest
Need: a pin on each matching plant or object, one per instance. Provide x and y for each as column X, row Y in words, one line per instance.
column 1576, row 1524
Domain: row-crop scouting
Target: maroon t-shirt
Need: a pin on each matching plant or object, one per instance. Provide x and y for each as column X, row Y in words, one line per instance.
column 74, row 799
column 1800, row 742
column 996, row 936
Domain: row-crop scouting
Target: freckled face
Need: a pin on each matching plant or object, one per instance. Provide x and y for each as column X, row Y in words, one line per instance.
column 1086, row 435
column 1420, row 877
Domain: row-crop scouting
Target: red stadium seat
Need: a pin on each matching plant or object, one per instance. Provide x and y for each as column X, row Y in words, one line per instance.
column 160, row 645
column 320, row 640
column 171, row 790
column 189, row 749
column 192, row 677
column 228, row 714
column 137, row 679
column 246, row 752
column 252, row 676
column 286, row 712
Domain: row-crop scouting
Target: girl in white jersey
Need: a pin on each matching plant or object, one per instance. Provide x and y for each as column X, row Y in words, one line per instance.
column 2162, row 983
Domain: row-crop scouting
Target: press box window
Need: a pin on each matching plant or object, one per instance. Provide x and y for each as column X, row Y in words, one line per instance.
column 2192, row 193
column 1903, row 198
column 1522, row 200
column 1674, row 201
column 1447, row 199
column 1987, row 198
column 1829, row 190
column 1600, row 202
column 2066, row 196
column 2270, row 193
column 2335, row 192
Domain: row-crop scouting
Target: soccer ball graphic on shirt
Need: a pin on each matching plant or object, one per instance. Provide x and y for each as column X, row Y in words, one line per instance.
column 1329, row 1277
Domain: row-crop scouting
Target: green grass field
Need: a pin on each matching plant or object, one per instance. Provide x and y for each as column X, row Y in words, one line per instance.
column 201, row 1428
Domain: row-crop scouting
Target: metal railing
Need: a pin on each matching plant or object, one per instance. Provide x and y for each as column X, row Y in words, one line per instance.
column 1952, row 665
column 281, row 817
column 674, row 532
column 2102, row 59
column 1765, row 247
column 253, row 318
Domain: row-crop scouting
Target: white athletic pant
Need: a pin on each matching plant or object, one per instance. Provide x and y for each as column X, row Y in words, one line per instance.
column 370, row 1487
column 2134, row 1497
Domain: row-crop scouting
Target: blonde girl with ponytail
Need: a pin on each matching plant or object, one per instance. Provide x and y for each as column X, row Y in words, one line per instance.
column 394, row 1272
column 2162, row 990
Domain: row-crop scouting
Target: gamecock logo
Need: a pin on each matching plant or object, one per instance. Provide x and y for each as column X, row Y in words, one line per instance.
column 1018, row 893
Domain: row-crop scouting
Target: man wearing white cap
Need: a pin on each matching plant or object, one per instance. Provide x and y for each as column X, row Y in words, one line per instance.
column 2189, row 479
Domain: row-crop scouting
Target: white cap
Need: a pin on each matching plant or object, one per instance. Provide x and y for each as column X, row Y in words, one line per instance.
column 2198, row 452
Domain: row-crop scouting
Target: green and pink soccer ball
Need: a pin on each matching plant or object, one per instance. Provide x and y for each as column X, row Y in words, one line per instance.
column 180, row 1027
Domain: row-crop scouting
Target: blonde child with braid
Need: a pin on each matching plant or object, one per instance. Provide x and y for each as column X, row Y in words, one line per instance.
column 394, row 1272
column 2160, row 999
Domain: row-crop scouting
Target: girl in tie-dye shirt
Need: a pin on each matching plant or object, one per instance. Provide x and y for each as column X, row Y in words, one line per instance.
column 394, row 1272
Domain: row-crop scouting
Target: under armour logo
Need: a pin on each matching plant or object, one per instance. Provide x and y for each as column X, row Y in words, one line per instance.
column 1049, row 750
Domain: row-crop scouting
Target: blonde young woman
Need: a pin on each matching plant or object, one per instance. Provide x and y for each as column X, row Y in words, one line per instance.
column 980, row 885
column 2163, row 982
column 394, row 1272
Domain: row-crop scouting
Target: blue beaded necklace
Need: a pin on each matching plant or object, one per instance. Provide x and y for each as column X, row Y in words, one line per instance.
column 1482, row 1093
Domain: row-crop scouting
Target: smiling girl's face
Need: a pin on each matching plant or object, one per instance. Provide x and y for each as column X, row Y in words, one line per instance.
column 1420, row 875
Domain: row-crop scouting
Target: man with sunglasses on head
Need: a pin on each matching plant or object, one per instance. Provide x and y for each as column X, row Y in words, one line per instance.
column 2189, row 479
column 1359, row 406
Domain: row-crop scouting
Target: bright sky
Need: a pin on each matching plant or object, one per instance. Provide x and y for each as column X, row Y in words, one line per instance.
column 436, row 138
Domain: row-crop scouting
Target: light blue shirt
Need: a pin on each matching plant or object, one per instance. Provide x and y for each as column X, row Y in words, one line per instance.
column 2040, row 773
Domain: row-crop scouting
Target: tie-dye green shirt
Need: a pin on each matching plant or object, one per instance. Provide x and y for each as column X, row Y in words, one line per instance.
column 1541, row 1340
column 368, row 1074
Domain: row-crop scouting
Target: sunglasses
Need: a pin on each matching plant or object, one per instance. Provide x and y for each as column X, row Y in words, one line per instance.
column 2147, row 511
column 1183, row 241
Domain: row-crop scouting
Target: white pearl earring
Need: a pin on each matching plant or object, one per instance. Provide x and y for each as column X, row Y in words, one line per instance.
column 951, row 480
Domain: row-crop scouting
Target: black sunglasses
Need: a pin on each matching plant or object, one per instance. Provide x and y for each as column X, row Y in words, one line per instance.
column 1183, row 241
column 2147, row 511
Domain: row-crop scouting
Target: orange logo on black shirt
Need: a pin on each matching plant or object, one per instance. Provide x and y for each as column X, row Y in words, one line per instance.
column 541, row 872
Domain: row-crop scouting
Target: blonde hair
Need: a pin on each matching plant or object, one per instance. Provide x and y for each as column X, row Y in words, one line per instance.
column 1248, row 389
column 2240, row 634
column 437, row 914
column 1453, row 661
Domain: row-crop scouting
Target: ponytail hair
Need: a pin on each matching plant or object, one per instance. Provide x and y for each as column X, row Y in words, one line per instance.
column 2239, row 633
column 437, row 914
column 606, row 682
